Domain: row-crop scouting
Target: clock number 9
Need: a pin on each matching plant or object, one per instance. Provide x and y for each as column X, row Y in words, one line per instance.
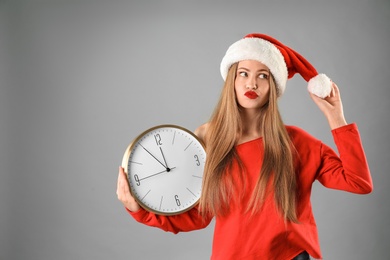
column 177, row 200
column 137, row 181
column 157, row 137
column 197, row 160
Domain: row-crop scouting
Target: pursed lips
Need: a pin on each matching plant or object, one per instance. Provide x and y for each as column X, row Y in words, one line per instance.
column 251, row 94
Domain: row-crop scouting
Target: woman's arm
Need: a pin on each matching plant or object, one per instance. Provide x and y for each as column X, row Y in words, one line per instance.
column 349, row 171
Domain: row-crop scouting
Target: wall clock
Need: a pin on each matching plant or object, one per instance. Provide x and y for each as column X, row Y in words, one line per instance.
column 164, row 167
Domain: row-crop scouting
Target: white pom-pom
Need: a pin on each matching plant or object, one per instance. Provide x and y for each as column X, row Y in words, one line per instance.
column 320, row 85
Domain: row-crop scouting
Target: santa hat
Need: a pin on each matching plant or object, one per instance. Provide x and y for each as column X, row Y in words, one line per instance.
column 282, row 61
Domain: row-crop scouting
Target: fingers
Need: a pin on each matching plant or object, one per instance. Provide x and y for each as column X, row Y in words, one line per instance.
column 122, row 184
column 123, row 192
column 335, row 90
column 331, row 99
column 332, row 91
column 122, row 175
column 332, row 107
column 317, row 99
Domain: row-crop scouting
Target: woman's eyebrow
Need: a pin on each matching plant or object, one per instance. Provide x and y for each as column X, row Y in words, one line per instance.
column 260, row 70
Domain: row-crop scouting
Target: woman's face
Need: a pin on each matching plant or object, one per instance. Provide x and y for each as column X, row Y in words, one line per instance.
column 252, row 84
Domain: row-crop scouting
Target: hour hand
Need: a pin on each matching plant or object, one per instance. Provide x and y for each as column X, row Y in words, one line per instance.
column 166, row 165
column 152, row 175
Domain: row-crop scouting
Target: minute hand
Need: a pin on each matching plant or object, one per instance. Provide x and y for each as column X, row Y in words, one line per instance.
column 154, row 157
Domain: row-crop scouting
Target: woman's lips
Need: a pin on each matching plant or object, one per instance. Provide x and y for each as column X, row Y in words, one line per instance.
column 251, row 94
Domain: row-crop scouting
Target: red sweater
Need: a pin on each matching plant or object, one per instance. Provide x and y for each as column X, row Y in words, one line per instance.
column 266, row 235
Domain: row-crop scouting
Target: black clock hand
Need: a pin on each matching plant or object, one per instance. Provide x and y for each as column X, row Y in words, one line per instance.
column 167, row 170
column 154, row 157
column 164, row 159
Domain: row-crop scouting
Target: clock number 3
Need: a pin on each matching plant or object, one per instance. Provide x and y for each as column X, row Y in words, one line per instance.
column 197, row 160
column 177, row 200
column 157, row 137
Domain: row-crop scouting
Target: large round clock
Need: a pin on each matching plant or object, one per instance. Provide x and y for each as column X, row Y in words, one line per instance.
column 164, row 167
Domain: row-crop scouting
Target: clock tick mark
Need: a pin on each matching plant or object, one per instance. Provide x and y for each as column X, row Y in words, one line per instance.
column 191, row 192
column 145, row 195
column 188, row 145
column 161, row 202
column 135, row 162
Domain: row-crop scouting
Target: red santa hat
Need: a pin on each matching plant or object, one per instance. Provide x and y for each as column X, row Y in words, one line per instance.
column 282, row 61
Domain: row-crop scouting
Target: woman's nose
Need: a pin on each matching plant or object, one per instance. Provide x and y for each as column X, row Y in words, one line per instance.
column 251, row 84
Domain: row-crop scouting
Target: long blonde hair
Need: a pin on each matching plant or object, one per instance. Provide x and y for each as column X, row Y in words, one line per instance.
column 277, row 169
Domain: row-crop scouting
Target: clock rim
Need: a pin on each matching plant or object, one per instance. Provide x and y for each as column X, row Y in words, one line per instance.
column 127, row 154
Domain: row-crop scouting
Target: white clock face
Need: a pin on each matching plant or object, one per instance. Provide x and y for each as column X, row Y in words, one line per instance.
column 165, row 168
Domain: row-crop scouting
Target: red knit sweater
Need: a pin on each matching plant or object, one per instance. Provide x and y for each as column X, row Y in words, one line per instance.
column 265, row 235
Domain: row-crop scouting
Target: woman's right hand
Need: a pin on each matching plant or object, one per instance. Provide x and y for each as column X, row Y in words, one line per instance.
column 123, row 192
column 332, row 107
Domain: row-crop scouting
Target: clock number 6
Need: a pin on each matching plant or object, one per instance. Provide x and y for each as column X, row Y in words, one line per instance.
column 177, row 200
column 197, row 160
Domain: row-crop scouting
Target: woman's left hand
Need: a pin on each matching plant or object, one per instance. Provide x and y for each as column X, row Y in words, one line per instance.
column 332, row 107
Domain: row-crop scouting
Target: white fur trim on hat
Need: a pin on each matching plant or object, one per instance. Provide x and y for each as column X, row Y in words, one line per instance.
column 259, row 50
column 320, row 85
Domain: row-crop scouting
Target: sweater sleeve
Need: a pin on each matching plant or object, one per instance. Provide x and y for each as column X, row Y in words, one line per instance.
column 184, row 222
column 349, row 171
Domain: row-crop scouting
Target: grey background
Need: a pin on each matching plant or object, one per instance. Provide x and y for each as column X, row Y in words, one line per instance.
column 80, row 79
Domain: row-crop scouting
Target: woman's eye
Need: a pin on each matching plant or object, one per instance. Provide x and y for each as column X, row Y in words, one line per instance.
column 263, row 76
column 243, row 74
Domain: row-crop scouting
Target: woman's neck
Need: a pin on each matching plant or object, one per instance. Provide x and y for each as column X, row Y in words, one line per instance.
column 251, row 128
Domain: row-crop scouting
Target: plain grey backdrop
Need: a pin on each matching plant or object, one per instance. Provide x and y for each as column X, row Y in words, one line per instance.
column 80, row 79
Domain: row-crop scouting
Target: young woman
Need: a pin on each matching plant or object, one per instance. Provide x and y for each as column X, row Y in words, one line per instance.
column 259, row 172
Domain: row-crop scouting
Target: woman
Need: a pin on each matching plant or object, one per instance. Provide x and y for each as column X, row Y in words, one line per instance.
column 259, row 172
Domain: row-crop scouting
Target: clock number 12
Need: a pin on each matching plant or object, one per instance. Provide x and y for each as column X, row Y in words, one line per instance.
column 157, row 137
